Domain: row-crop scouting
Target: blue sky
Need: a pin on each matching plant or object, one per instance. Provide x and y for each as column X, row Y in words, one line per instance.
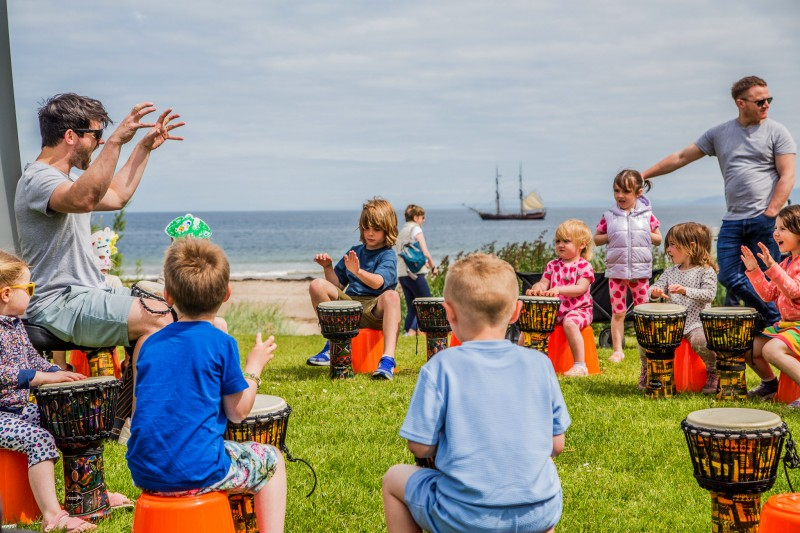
column 313, row 105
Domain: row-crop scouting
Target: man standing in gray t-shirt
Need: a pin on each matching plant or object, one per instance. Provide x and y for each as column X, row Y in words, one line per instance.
column 53, row 210
column 757, row 159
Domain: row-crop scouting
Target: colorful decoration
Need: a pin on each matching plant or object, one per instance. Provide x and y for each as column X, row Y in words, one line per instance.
column 188, row 225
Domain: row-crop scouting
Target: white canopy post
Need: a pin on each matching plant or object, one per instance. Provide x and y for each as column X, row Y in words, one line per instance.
column 10, row 169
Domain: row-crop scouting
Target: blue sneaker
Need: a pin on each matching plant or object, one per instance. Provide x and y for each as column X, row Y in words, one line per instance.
column 323, row 358
column 385, row 368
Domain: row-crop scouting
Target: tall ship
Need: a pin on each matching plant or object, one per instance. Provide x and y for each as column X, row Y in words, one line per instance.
column 530, row 205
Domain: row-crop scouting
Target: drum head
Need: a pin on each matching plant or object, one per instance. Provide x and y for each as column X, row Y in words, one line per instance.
column 733, row 418
column 266, row 404
column 88, row 382
column 340, row 305
column 728, row 311
column 429, row 300
column 659, row 309
column 540, row 299
column 153, row 287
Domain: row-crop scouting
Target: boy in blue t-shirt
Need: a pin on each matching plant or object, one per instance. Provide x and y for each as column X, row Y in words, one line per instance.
column 368, row 274
column 490, row 412
column 189, row 383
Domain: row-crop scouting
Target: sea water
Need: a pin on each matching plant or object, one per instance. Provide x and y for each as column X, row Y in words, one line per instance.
column 282, row 244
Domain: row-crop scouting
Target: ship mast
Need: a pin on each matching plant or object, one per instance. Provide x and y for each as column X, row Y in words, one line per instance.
column 521, row 210
column 497, row 189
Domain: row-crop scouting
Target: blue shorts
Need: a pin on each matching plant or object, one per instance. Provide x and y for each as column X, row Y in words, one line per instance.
column 252, row 465
column 89, row 316
column 439, row 515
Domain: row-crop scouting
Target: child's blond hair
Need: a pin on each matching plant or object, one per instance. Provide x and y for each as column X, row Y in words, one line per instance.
column 483, row 289
column 196, row 275
column 379, row 214
column 11, row 268
column 694, row 240
column 576, row 231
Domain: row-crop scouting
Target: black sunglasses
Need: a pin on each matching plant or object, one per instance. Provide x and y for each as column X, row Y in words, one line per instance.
column 98, row 134
column 759, row 103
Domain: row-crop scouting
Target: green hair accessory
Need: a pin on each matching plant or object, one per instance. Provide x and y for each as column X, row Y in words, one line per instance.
column 188, row 226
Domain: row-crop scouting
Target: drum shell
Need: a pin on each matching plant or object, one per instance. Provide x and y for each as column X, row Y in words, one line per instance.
column 265, row 428
column 729, row 332
column 431, row 315
column 735, row 461
column 78, row 414
column 659, row 331
column 538, row 315
column 339, row 321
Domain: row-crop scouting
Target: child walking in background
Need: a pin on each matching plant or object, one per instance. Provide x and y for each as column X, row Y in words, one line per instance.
column 368, row 274
column 629, row 229
column 486, row 386
column 779, row 344
column 181, row 451
column 414, row 284
column 692, row 283
column 21, row 367
column 570, row 277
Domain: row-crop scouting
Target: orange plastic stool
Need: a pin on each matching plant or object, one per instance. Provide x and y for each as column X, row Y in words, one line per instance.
column 561, row 356
column 690, row 370
column 18, row 502
column 367, row 350
column 454, row 341
column 788, row 390
column 781, row 514
column 209, row 513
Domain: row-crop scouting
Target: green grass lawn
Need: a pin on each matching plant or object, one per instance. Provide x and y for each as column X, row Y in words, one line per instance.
column 626, row 466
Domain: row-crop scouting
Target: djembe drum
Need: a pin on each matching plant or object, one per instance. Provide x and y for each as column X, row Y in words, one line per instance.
column 659, row 330
column 339, row 321
column 432, row 321
column 735, row 454
column 730, row 332
column 537, row 320
column 80, row 414
column 266, row 424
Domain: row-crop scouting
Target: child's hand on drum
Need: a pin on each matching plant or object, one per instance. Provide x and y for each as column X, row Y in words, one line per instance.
column 43, row 378
column 262, row 352
column 351, row 262
column 748, row 259
column 551, row 292
column 658, row 293
column 323, row 260
column 537, row 289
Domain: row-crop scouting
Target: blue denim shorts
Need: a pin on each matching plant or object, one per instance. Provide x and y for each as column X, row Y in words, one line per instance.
column 89, row 316
column 432, row 512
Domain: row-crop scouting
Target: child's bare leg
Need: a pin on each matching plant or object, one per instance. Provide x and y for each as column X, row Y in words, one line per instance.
column 398, row 517
column 322, row 290
column 757, row 362
column 575, row 340
column 778, row 354
column 617, row 336
column 270, row 502
column 43, row 486
column 388, row 307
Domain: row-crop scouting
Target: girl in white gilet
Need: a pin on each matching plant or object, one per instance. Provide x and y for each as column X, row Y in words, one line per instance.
column 629, row 229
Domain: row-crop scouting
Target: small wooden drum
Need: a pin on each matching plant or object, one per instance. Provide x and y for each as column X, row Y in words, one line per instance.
column 730, row 332
column 432, row 321
column 735, row 455
column 339, row 321
column 80, row 414
column 659, row 330
column 537, row 320
column 266, row 424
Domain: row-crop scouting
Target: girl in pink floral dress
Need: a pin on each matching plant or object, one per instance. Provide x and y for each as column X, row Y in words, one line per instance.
column 570, row 277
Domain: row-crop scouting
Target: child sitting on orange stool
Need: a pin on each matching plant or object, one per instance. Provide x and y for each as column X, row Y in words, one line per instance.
column 560, row 353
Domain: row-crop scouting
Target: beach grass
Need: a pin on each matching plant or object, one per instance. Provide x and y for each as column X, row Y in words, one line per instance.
column 625, row 467
column 248, row 318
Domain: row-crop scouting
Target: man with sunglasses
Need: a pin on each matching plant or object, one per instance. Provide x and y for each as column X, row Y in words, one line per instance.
column 53, row 210
column 757, row 158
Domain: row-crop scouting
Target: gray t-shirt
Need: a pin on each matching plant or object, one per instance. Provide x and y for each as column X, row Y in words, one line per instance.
column 56, row 245
column 747, row 161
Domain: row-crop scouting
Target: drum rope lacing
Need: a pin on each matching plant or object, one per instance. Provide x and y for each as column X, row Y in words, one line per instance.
column 298, row 460
column 146, row 295
column 791, row 459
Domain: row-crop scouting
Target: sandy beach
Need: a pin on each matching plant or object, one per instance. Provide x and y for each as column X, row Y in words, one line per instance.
column 290, row 295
